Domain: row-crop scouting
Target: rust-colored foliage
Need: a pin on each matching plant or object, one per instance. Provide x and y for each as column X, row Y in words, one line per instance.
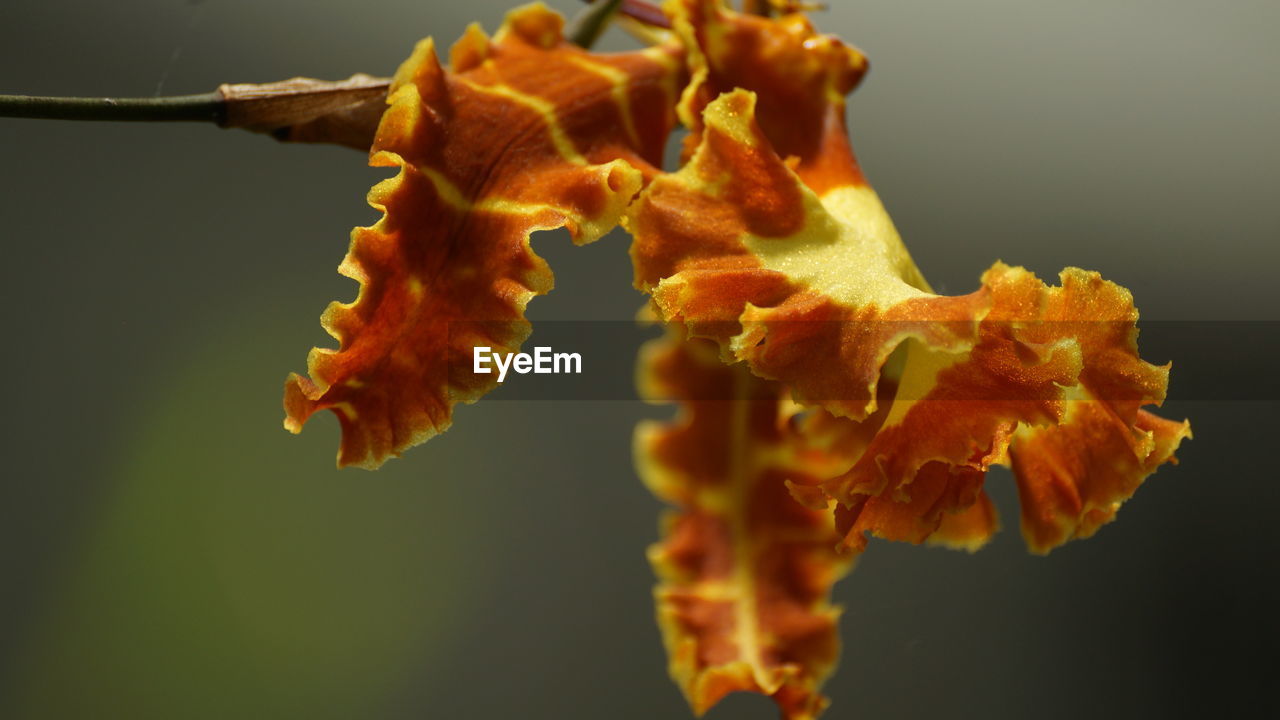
column 827, row 393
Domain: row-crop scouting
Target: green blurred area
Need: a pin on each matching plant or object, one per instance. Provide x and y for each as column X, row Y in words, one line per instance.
column 230, row 574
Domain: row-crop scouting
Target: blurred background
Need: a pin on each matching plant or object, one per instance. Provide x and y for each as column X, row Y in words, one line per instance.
column 168, row 551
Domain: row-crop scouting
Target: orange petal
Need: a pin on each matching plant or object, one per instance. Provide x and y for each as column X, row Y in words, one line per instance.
column 803, row 74
column 799, row 272
column 745, row 570
column 527, row 132
column 1073, row 477
column 968, row 529
column 916, row 515
column 816, row 292
column 959, row 409
column 1038, row 363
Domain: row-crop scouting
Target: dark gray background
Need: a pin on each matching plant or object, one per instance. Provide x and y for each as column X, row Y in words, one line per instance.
column 168, row 551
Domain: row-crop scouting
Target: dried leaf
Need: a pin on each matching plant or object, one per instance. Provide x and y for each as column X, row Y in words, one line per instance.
column 526, row 132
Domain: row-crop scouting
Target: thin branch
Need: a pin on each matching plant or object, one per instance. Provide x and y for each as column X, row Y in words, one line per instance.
column 205, row 107
column 344, row 112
